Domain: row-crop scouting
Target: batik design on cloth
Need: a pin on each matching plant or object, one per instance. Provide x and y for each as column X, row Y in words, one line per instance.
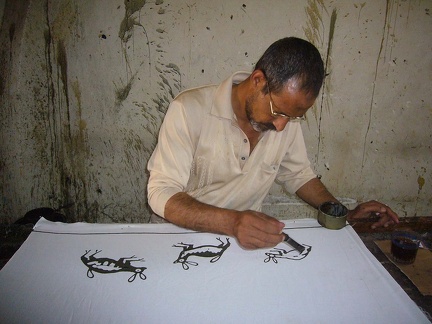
column 203, row 251
column 108, row 265
column 278, row 254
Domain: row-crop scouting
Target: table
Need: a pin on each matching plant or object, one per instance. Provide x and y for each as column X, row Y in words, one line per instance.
column 160, row 273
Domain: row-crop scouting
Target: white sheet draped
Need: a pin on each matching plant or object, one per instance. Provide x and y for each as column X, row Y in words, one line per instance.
column 57, row 277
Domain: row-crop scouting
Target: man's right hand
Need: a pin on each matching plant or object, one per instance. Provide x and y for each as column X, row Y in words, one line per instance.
column 254, row 230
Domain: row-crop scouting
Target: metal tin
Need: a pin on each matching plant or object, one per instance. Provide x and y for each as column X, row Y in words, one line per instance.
column 332, row 215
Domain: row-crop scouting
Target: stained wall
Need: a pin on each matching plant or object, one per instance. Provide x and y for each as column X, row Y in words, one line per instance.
column 84, row 86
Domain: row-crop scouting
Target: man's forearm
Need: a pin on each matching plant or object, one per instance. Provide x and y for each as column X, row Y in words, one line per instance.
column 185, row 211
column 315, row 193
column 252, row 229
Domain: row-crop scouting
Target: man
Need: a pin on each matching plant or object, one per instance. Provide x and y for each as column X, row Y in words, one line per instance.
column 221, row 147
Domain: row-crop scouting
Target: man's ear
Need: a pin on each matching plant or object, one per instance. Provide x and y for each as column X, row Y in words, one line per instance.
column 259, row 80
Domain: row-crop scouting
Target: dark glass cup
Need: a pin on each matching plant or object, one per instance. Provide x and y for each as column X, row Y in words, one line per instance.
column 404, row 246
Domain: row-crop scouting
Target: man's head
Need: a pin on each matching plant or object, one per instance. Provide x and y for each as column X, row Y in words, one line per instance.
column 286, row 81
column 292, row 58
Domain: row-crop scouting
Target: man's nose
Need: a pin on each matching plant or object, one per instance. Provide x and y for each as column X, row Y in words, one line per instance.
column 280, row 123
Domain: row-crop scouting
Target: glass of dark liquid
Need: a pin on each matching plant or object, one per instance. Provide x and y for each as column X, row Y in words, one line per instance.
column 404, row 246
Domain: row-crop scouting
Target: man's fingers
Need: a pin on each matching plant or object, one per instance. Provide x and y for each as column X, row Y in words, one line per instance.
column 251, row 242
column 386, row 214
column 255, row 238
column 268, row 224
column 385, row 220
column 257, row 230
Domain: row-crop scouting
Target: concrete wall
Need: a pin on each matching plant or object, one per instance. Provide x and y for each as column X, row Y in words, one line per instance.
column 85, row 84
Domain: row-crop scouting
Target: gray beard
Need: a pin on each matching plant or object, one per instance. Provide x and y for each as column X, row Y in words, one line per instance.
column 258, row 127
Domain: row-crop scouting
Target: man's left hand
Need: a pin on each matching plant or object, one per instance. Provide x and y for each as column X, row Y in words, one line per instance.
column 386, row 215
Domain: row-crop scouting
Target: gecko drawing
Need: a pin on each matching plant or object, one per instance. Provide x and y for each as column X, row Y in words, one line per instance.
column 107, row 265
column 293, row 254
column 204, row 251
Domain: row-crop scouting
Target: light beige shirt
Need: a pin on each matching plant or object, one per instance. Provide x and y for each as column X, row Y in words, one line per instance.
column 201, row 150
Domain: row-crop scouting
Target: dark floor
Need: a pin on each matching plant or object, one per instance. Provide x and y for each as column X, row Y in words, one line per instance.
column 12, row 236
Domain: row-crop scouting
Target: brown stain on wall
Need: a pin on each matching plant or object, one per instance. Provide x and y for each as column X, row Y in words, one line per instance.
column 82, row 125
column 314, row 31
column 4, row 59
column 64, row 24
column 121, row 93
column 66, row 139
column 371, row 104
column 126, row 32
column 170, row 83
column 361, row 6
column 12, row 26
column 62, row 64
column 130, row 21
column 328, row 55
column 421, row 182
column 314, row 23
column 11, row 34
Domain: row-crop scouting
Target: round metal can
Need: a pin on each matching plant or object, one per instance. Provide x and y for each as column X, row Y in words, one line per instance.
column 332, row 215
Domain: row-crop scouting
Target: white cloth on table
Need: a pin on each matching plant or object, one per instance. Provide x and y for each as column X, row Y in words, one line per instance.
column 338, row 281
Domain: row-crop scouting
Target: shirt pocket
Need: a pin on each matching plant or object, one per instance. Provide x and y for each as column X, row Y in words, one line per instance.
column 269, row 168
column 265, row 174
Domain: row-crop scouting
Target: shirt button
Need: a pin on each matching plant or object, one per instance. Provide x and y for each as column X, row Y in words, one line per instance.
column 245, row 140
column 243, row 158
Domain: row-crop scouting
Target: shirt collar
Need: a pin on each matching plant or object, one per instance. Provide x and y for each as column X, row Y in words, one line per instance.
column 223, row 96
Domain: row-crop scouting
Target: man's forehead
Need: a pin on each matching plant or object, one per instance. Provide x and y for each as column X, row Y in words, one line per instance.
column 294, row 86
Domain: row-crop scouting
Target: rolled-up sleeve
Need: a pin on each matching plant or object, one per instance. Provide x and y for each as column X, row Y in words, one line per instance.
column 169, row 165
column 295, row 169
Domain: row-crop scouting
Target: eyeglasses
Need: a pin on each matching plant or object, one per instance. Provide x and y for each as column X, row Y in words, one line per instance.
column 276, row 114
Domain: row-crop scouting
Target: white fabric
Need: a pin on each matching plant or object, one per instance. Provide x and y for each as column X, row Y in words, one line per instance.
column 201, row 150
column 339, row 281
